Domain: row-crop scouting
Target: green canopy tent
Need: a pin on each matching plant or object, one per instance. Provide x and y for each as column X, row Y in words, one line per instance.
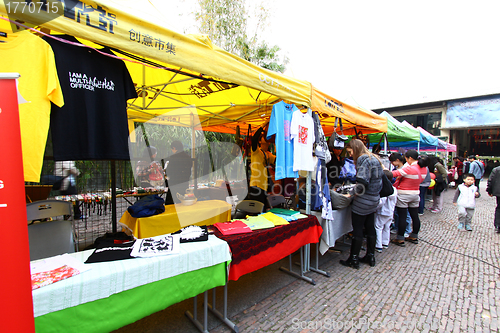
column 398, row 135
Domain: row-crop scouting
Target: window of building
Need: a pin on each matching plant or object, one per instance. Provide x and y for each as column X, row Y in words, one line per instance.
column 429, row 122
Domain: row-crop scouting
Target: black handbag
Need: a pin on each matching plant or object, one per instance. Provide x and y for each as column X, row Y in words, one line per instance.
column 337, row 141
column 387, row 188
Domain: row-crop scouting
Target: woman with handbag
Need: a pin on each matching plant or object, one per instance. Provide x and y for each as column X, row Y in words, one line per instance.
column 408, row 199
column 365, row 202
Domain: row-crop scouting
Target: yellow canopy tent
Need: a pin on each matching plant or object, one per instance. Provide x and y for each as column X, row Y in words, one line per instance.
column 136, row 27
column 131, row 26
column 177, row 74
column 354, row 118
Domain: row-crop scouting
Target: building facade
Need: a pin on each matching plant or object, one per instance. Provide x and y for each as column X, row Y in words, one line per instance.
column 473, row 124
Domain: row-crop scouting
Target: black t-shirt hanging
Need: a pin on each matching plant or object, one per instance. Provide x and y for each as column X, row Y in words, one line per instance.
column 92, row 124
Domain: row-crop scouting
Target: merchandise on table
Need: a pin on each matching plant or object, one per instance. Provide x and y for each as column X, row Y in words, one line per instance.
column 275, row 219
column 156, row 246
column 111, row 253
column 258, row 222
column 192, row 233
column 233, row 227
column 54, row 269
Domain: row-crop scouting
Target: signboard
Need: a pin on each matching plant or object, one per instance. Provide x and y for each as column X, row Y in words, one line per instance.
column 473, row 112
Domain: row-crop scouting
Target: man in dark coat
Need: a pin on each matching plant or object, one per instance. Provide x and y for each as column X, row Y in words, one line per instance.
column 493, row 189
column 178, row 172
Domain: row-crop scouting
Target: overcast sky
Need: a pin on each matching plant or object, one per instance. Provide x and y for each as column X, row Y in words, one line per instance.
column 380, row 54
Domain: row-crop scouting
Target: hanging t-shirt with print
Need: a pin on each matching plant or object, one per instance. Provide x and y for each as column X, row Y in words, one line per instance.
column 279, row 125
column 302, row 132
column 93, row 124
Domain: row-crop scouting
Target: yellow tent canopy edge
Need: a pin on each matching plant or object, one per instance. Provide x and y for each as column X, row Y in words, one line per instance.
column 329, row 108
column 120, row 25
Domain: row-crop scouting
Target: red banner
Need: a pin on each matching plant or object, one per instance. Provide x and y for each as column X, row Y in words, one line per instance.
column 15, row 280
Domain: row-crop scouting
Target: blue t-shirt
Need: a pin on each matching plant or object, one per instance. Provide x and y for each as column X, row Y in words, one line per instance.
column 279, row 125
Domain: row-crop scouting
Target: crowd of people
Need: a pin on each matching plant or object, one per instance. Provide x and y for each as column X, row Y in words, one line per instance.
column 413, row 176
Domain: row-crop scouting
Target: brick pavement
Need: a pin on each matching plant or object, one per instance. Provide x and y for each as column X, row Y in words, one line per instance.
column 449, row 282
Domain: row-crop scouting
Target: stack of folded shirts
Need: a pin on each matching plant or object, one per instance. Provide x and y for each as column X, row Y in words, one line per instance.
column 287, row 214
column 275, row 219
column 232, row 227
column 258, row 222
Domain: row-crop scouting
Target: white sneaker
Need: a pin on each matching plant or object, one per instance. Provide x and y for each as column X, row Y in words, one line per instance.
column 407, row 235
column 394, row 231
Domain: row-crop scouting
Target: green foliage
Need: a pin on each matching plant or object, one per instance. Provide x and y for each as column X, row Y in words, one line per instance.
column 264, row 56
column 224, row 21
column 226, row 24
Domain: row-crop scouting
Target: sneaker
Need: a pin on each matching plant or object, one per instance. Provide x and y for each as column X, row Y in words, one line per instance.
column 460, row 226
column 385, row 246
column 407, row 235
column 420, row 214
column 435, row 211
column 394, row 231
column 468, row 228
column 378, row 249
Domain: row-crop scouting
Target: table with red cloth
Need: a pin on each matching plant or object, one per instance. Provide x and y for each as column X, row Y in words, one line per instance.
column 260, row 248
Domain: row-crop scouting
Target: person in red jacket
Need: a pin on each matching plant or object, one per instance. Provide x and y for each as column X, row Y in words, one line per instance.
column 408, row 198
column 459, row 164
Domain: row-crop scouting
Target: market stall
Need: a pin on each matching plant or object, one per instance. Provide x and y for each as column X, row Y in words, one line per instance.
column 175, row 85
column 113, row 294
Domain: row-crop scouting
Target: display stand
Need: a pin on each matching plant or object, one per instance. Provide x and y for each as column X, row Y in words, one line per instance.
column 304, row 265
column 194, row 316
column 306, row 250
column 222, row 316
column 212, row 307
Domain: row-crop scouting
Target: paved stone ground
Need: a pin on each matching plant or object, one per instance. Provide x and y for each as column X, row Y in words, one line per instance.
column 449, row 282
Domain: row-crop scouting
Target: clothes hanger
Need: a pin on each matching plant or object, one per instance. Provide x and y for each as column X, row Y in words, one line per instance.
column 8, row 26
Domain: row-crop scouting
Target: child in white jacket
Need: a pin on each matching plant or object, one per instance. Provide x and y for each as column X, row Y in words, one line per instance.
column 465, row 197
column 383, row 220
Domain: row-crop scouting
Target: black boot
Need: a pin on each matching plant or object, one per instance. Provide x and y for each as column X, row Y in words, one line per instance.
column 369, row 258
column 353, row 260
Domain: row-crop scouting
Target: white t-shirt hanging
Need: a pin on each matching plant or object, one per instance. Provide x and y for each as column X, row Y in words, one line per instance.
column 302, row 133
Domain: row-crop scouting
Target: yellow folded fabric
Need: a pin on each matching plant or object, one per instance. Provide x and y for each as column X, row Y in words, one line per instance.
column 258, row 222
column 277, row 220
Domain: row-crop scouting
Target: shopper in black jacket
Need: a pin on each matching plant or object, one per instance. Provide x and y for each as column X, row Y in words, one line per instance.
column 493, row 189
